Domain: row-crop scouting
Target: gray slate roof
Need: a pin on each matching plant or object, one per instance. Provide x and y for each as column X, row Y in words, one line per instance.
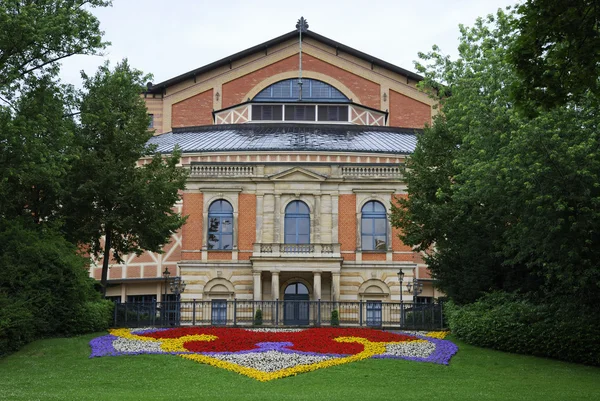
column 288, row 137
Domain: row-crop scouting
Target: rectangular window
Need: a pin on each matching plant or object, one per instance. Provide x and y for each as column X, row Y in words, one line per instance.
column 266, row 112
column 299, row 113
column 151, row 122
column 146, row 299
column 333, row 113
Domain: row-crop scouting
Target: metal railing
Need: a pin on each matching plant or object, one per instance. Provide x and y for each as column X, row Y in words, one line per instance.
column 401, row 315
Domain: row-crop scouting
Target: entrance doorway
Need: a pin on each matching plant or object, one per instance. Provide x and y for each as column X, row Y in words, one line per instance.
column 296, row 305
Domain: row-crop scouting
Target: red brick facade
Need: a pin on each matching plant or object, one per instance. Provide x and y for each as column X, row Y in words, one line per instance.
column 196, row 110
column 347, row 225
column 192, row 231
column 407, row 112
column 246, row 225
column 236, row 91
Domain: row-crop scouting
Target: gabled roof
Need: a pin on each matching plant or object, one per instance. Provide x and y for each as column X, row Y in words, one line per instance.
column 158, row 88
column 288, row 137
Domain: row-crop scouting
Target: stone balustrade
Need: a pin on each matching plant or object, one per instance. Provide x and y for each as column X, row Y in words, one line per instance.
column 296, row 250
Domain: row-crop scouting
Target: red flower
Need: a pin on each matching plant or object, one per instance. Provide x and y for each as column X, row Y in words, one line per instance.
column 317, row 340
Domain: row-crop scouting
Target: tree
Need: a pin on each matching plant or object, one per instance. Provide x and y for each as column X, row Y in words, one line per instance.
column 37, row 34
column 119, row 206
column 501, row 199
column 44, row 284
column 556, row 52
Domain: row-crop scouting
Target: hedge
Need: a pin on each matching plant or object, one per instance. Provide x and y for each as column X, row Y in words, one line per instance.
column 507, row 322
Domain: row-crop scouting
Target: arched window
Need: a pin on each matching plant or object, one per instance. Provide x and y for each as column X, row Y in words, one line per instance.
column 373, row 227
column 297, row 223
column 220, row 225
column 296, row 289
column 312, row 90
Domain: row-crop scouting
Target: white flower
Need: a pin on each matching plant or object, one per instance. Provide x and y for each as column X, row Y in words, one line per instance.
column 270, row 361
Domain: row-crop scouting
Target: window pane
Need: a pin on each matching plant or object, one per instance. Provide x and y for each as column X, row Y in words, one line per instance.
column 367, row 226
column 380, row 243
column 226, row 241
column 378, row 207
column 302, row 289
column 226, row 225
column 290, row 289
column 290, row 226
column 380, row 226
column 367, row 243
column 290, row 238
column 303, row 226
column 299, row 113
column 213, row 241
column 226, row 207
column 302, row 208
column 303, row 239
column 213, row 224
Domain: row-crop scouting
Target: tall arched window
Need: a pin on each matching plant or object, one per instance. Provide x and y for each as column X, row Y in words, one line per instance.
column 373, row 227
column 220, row 225
column 297, row 223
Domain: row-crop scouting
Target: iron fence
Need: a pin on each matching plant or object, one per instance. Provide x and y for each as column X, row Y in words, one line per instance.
column 402, row 315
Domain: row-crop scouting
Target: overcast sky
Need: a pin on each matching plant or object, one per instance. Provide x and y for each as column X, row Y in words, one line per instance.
column 170, row 37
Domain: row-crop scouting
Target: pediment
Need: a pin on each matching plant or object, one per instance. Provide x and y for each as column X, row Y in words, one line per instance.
column 297, row 174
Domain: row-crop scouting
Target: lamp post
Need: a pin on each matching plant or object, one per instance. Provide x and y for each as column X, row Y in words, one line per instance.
column 400, row 281
column 166, row 274
column 415, row 287
column 177, row 287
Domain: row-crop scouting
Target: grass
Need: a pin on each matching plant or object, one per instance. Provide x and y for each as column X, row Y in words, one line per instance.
column 59, row 369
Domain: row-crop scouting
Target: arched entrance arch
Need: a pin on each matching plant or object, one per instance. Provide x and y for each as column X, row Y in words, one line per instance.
column 296, row 305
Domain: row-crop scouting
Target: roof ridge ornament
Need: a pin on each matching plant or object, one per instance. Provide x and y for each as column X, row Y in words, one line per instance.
column 302, row 25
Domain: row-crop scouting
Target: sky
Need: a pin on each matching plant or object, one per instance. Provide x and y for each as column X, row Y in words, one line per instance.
column 170, row 37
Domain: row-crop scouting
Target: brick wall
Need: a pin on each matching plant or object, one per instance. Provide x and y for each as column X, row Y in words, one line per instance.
column 236, row 91
column 407, row 112
column 246, row 225
column 192, row 230
column 196, row 110
column 347, row 225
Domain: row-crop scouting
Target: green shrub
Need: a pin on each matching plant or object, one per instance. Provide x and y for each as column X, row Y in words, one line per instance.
column 507, row 322
column 258, row 318
column 17, row 326
column 335, row 318
column 43, row 286
column 93, row 316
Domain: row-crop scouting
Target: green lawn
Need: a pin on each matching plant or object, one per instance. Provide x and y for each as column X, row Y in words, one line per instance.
column 59, row 369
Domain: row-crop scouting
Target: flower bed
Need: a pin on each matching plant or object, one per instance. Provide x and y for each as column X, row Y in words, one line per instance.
column 267, row 354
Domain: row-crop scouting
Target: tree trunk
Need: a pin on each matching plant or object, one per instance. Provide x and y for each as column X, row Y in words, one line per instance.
column 104, row 279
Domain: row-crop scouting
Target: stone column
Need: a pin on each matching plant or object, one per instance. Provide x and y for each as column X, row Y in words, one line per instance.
column 124, row 292
column 257, row 286
column 335, row 286
column 317, row 285
column 275, row 284
column 277, row 223
column 318, row 219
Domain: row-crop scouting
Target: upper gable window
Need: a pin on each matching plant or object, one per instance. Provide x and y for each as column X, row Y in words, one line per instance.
column 312, row 90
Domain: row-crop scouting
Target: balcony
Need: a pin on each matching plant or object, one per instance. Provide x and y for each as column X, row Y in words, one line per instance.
column 267, row 250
